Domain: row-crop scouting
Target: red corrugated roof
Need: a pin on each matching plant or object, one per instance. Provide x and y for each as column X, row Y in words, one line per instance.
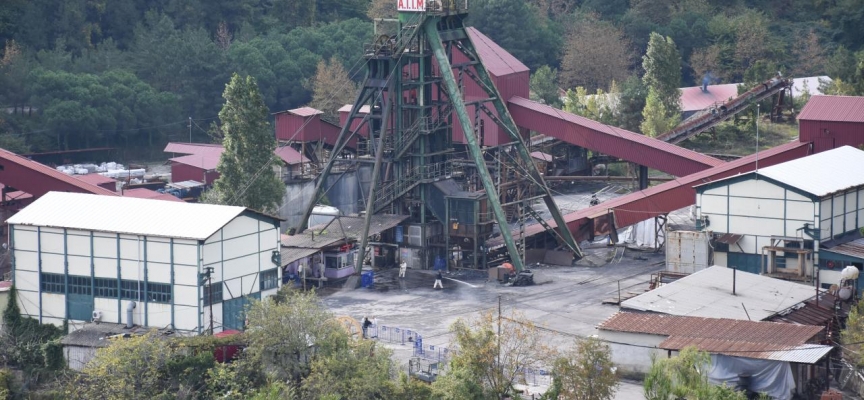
column 752, row 339
column 497, row 60
column 142, row 193
column 46, row 172
column 207, row 162
column 290, row 156
column 206, row 156
column 607, row 139
column 95, row 179
column 834, row 108
column 653, row 201
column 710, row 328
column 694, row 99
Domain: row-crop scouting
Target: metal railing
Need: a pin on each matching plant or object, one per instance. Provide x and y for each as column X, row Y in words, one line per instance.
column 392, row 190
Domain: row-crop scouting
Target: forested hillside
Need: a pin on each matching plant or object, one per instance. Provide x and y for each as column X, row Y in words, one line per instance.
column 129, row 73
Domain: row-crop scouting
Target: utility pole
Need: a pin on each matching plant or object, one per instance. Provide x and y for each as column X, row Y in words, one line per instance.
column 210, row 295
column 500, row 369
column 190, row 129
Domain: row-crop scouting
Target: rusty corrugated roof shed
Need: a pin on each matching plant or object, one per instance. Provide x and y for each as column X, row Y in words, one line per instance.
column 854, row 248
column 498, row 61
column 750, row 339
column 834, row 108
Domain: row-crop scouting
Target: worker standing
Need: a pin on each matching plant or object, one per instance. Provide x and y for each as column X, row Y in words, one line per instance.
column 402, row 268
column 438, row 284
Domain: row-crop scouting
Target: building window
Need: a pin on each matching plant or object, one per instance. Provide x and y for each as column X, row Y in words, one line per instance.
column 216, row 288
column 52, row 283
column 269, row 279
column 105, row 287
column 158, row 292
column 80, row 285
column 130, row 290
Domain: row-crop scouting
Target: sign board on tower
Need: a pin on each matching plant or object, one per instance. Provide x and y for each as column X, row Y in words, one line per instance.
column 411, row 5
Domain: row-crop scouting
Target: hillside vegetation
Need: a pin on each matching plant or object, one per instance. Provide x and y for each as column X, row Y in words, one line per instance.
column 130, row 73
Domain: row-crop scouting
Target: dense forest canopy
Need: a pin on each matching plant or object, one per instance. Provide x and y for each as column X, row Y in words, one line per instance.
column 130, row 73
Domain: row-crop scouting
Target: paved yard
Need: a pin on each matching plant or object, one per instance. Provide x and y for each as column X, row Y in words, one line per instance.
column 565, row 301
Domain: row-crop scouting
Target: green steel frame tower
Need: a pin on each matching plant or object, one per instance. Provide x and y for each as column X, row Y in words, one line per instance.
column 414, row 96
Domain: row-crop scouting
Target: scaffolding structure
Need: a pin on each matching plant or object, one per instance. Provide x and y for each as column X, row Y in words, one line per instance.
column 457, row 194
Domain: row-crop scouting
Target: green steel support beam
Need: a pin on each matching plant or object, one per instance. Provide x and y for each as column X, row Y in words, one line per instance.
column 510, row 126
column 376, row 173
column 341, row 142
column 456, row 98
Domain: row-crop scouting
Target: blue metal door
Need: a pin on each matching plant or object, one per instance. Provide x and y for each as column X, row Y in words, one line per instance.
column 234, row 312
column 79, row 306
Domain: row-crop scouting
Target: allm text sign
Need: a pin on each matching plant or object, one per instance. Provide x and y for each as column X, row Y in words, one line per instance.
column 412, row 5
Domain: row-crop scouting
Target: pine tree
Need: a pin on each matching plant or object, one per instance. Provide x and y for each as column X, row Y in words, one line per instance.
column 655, row 118
column 246, row 167
column 662, row 64
column 544, row 86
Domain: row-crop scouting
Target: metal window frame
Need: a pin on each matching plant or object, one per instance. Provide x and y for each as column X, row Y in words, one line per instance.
column 105, row 287
column 217, row 294
column 52, row 283
column 267, row 281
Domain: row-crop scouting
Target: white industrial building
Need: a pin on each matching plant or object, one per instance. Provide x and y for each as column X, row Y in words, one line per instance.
column 83, row 258
column 778, row 220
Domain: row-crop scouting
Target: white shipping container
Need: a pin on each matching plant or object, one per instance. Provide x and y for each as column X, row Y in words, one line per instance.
column 687, row 251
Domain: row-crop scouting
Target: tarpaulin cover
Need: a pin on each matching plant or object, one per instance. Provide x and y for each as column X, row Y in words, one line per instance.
column 771, row 377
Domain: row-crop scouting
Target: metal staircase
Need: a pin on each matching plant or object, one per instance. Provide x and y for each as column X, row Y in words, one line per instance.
column 397, row 188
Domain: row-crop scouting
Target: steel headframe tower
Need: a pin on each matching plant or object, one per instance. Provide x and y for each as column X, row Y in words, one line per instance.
column 412, row 93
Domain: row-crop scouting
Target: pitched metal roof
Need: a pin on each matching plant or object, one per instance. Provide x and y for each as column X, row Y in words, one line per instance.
column 52, row 173
column 694, row 99
column 94, row 179
column 834, row 108
column 206, row 156
column 127, row 215
column 854, row 248
column 823, row 173
column 207, row 162
column 305, row 111
column 192, row 148
column 291, row 254
column 750, row 339
column 498, row 61
column 708, row 293
column 144, row 193
column 803, row 353
column 541, row 156
column 363, row 109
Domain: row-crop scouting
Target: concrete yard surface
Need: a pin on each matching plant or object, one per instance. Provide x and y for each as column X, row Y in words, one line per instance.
column 566, row 302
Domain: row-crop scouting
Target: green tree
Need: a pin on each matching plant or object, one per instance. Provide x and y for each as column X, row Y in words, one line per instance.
column 656, row 120
column 332, row 88
column 598, row 107
column 143, row 367
column 662, row 64
column 504, row 21
column 544, row 86
column 586, row 371
column 631, row 103
column 489, row 362
column 685, row 377
column 853, row 336
column 246, row 165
